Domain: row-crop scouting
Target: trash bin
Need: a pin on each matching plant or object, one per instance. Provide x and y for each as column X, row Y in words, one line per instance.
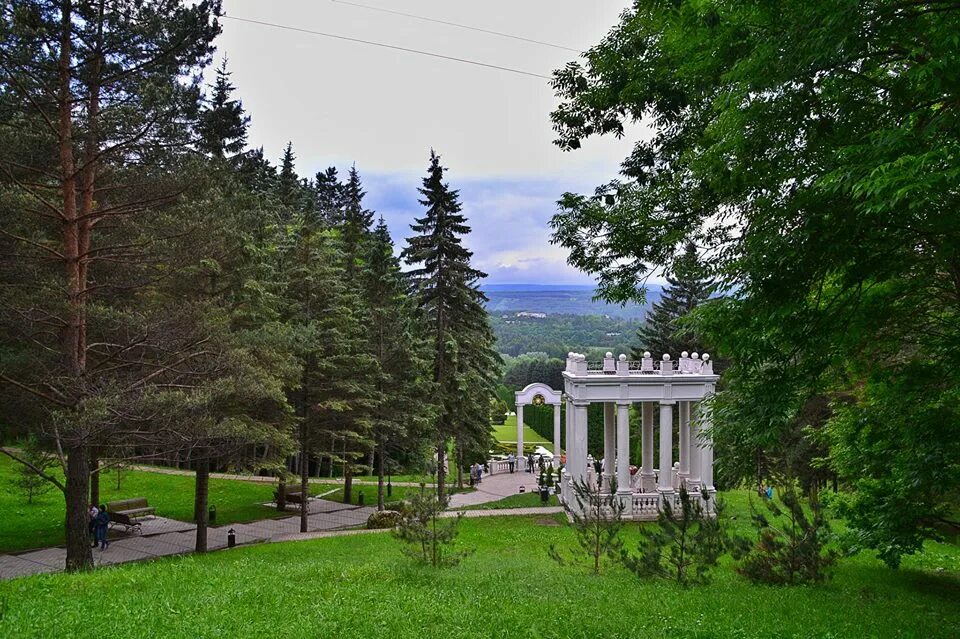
column 544, row 494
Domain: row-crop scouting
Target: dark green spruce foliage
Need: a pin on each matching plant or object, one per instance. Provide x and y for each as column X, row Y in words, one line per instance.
column 402, row 410
column 465, row 364
column 222, row 129
column 688, row 286
column 812, row 151
column 791, row 545
column 26, row 480
column 427, row 536
column 597, row 521
column 685, row 544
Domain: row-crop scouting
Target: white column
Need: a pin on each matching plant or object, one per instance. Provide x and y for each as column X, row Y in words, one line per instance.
column 684, row 472
column 556, row 434
column 695, row 448
column 646, row 451
column 706, row 452
column 623, row 448
column 666, row 447
column 609, row 443
column 580, row 441
column 519, row 435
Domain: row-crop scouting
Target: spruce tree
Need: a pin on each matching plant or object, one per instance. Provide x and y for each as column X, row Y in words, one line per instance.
column 463, row 358
column 399, row 418
column 329, row 196
column 222, row 129
column 688, row 286
column 288, row 187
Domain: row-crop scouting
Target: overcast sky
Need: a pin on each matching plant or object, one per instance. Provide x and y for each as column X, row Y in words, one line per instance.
column 343, row 102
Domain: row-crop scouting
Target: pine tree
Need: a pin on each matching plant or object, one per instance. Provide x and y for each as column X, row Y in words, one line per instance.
column 463, row 358
column 397, row 343
column 288, row 187
column 688, row 286
column 356, row 219
column 222, row 128
column 330, row 196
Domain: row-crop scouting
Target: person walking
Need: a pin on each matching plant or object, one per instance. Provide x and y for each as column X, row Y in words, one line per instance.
column 102, row 525
column 92, row 524
column 531, row 461
column 511, row 461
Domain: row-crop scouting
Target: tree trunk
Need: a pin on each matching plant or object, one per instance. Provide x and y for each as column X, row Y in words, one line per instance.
column 94, row 479
column 459, row 466
column 348, row 483
column 381, row 468
column 304, row 480
column 79, row 555
column 282, row 495
column 200, row 503
column 441, row 472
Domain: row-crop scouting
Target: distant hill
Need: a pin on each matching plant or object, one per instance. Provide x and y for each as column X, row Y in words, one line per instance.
column 560, row 299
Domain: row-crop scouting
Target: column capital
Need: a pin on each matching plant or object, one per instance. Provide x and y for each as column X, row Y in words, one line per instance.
column 668, row 402
column 624, row 402
column 581, row 403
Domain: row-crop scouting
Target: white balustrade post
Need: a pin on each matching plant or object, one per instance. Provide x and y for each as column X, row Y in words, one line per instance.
column 556, row 434
column 706, row 453
column 666, row 447
column 623, row 449
column 520, row 436
column 609, row 443
column 684, row 472
column 646, row 451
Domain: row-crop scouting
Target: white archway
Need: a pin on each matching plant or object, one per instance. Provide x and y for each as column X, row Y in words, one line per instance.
column 539, row 394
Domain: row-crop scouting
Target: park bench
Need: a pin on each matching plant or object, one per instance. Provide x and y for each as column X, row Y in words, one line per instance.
column 292, row 494
column 124, row 512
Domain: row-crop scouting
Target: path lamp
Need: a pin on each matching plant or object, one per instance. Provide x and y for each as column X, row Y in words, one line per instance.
column 212, row 514
column 389, row 487
column 231, row 538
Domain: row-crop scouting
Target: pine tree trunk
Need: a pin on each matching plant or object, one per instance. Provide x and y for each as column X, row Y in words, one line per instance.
column 304, row 479
column 381, row 468
column 459, row 466
column 441, row 472
column 282, row 495
column 79, row 555
column 94, row 479
column 202, row 489
column 347, row 476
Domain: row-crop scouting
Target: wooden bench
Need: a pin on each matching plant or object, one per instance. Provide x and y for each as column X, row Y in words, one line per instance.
column 292, row 494
column 136, row 507
column 119, row 519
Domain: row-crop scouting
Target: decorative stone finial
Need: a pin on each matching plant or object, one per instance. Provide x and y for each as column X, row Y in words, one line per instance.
column 623, row 357
column 608, row 355
column 666, row 357
column 646, row 354
column 706, row 356
column 684, row 354
column 694, row 356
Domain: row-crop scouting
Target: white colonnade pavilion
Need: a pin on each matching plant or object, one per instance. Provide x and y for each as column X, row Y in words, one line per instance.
column 654, row 384
column 538, row 394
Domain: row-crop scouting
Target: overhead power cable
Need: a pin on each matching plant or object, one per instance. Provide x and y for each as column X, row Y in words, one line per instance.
column 458, row 25
column 388, row 46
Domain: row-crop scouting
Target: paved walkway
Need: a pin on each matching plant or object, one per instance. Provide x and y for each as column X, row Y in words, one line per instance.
column 338, row 481
column 495, row 488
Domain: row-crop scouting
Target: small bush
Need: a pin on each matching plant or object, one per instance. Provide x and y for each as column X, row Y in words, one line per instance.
column 791, row 545
column 597, row 521
column 428, row 537
column 383, row 519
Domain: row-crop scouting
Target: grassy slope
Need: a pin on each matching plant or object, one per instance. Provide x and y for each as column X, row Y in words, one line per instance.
column 507, row 432
column 40, row 524
column 526, row 500
column 363, row 586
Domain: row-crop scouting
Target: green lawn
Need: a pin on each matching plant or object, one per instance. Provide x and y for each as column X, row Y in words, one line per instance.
column 507, row 432
column 362, row 586
column 40, row 524
column 370, row 494
column 526, row 500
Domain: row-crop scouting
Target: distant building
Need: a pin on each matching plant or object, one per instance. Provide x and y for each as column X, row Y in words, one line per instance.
column 532, row 314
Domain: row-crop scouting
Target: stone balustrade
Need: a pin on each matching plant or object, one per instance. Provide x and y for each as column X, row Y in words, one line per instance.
column 688, row 364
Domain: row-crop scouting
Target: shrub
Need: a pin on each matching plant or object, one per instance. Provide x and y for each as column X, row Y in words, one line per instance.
column 597, row 522
column 428, row 537
column 791, row 545
column 683, row 545
column 383, row 519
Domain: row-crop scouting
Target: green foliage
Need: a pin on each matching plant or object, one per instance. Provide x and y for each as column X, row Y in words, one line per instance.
column 427, row 536
column 791, row 545
column 597, row 523
column 685, row 544
column 27, row 479
column 557, row 334
column 809, row 151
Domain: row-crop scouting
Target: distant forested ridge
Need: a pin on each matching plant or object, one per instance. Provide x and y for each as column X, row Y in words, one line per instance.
column 556, row 299
column 556, row 335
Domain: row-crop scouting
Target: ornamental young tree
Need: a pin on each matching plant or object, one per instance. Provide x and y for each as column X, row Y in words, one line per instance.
column 821, row 176
column 597, row 521
column 464, row 362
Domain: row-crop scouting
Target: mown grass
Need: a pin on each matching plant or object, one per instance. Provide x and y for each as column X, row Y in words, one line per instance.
column 507, row 433
column 363, row 586
column 525, row 500
column 40, row 524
